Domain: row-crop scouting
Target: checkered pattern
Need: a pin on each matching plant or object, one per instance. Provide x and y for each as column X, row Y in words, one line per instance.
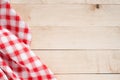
column 17, row 61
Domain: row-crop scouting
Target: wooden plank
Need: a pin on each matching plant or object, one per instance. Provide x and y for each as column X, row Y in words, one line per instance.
column 103, row 1
column 89, row 77
column 48, row 1
column 65, row 1
column 27, row 1
column 70, row 15
column 81, row 61
column 75, row 37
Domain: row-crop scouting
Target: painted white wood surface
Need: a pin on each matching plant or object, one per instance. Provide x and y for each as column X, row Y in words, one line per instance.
column 66, row 1
column 89, row 77
column 103, row 1
column 74, row 38
column 48, row 1
column 81, row 61
column 70, row 15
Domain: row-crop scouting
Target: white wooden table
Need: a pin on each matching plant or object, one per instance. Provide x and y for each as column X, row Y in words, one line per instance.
column 77, row 39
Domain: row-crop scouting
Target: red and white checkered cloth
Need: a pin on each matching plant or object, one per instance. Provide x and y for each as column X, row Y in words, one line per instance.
column 17, row 61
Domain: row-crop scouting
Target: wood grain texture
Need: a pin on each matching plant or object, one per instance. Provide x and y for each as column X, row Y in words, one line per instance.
column 103, row 1
column 75, row 37
column 70, row 15
column 82, row 61
column 65, row 1
column 89, row 77
column 47, row 1
column 27, row 1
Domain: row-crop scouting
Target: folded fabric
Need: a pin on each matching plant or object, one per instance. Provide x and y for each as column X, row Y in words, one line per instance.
column 17, row 61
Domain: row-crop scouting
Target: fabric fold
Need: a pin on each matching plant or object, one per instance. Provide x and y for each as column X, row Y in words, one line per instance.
column 17, row 61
